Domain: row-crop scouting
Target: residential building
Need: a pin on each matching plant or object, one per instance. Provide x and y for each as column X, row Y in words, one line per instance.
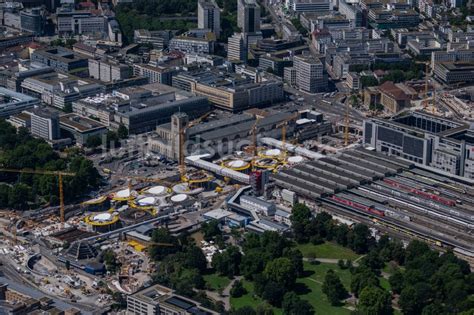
column 45, row 123
column 159, row 299
column 12, row 103
column 209, row 16
column 311, row 75
column 248, row 16
column 108, row 71
column 59, row 58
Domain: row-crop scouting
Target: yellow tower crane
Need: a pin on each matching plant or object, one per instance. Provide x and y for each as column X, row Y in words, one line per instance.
column 427, row 77
column 59, row 174
column 346, row 126
column 283, row 126
column 181, row 142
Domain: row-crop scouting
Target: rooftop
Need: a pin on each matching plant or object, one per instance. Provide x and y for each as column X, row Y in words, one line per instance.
column 80, row 124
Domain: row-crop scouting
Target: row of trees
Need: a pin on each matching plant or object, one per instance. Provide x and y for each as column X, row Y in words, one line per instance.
column 19, row 150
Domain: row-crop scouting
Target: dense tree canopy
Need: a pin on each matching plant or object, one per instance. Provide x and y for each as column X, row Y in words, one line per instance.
column 19, row 150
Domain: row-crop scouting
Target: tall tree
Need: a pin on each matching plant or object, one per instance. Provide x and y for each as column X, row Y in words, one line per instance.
column 333, row 288
column 281, row 271
column 374, row 300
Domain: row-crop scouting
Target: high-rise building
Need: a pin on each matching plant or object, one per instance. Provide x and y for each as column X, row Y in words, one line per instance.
column 45, row 124
column 33, row 21
column 248, row 16
column 209, row 16
column 236, row 48
column 310, row 74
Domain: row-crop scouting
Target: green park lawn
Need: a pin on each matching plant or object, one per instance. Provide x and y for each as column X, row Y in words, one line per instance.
column 214, row 281
column 309, row 288
column 327, row 250
column 249, row 299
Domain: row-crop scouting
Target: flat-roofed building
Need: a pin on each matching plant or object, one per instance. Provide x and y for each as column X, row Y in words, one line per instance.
column 81, row 128
column 159, row 299
column 12, row 103
column 155, row 74
column 45, row 123
column 59, row 58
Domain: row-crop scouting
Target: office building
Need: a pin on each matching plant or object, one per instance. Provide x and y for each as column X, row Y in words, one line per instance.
column 433, row 141
column 59, row 58
column 81, row 128
column 353, row 13
column 231, row 91
column 155, row 74
column 44, row 123
column 108, row 71
column 191, row 43
column 460, row 55
column 33, row 21
column 248, row 16
column 353, row 81
column 73, row 22
column 454, row 72
column 209, row 16
column 277, row 65
column 159, row 299
column 311, row 75
column 258, row 205
column 382, row 18
column 60, row 90
column 211, row 60
column 289, row 75
column 146, row 111
column 12, row 103
column 237, row 48
column 158, row 39
column 302, row 6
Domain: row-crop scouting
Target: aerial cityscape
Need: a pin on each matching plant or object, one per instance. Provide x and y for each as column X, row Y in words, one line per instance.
column 237, row 157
